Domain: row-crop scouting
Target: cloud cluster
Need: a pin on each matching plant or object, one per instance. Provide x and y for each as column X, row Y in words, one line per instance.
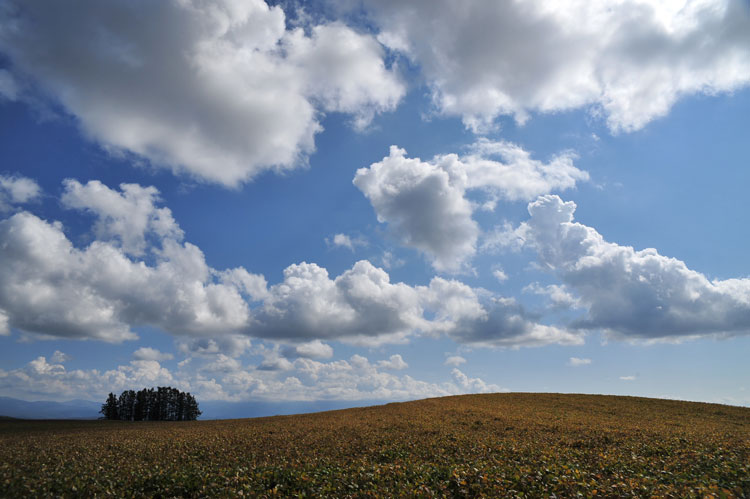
column 629, row 293
column 50, row 379
column 219, row 90
column 424, row 203
column 628, row 59
column 138, row 272
column 224, row 378
column 50, row 287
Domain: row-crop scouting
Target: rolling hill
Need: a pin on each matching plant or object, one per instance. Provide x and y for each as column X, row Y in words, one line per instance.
column 472, row 445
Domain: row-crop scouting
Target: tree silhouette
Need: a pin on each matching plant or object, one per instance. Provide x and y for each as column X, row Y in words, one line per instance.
column 161, row 404
column 109, row 408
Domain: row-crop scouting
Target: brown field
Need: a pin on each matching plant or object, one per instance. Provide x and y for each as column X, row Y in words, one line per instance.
column 474, row 445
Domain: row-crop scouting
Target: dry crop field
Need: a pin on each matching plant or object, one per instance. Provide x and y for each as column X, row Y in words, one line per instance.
column 474, row 445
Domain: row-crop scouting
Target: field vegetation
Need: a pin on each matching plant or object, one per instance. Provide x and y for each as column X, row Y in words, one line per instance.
column 516, row 445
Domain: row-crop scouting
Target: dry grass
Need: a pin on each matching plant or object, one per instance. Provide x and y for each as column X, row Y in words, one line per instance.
column 475, row 445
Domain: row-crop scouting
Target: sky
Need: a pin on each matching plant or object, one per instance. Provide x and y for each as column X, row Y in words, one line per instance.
column 341, row 201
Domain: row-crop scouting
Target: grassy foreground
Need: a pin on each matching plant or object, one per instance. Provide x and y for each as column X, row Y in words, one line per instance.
column 474, row 445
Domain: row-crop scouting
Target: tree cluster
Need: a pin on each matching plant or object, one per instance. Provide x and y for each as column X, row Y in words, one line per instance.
column 153, row 404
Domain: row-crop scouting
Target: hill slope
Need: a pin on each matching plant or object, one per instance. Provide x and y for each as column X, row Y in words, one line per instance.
column 487, row 445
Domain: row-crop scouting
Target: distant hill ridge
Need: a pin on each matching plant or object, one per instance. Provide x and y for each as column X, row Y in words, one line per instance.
column 71, row 409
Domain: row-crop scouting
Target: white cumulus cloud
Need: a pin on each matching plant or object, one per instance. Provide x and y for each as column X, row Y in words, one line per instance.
column 220, row 90
column 127, row 216
column 630, row 60
column 52, row 288
column 632, row 293
column 346, row 241
column 474, row 385
column 424, row 203
column 395, row 363
column 454, row 360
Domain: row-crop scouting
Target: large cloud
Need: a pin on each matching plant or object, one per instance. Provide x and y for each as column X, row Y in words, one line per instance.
column 138, row 272
column 220, row 89
column 631, row 59
column 360, row 304
column 636, row 294
column 425, row 203
column 50, row 287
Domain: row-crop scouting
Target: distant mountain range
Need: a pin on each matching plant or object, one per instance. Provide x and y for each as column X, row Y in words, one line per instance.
column 73, row 409
column 87, row 409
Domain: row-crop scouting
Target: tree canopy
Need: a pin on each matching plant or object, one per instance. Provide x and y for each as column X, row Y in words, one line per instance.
column 163, row 403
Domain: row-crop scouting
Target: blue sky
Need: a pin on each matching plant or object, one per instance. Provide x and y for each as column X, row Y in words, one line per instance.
column 332, row 202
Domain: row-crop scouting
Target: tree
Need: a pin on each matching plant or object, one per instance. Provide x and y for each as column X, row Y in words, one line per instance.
column 109, row 408
column 161, row 404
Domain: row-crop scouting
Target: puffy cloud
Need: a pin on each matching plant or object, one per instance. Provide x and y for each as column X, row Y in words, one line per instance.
column 346, row 241
column 127, row 216
column 627, row 378
column 253, row 286
column 577, row 362
column 148, row 353
column 344, row 71
column 395, row 363
column 474, row 385
column 361, row 305
column 16, row 189
column 509, row 172
column 315, row 349
column 634, row 294
column 500, row 275
column 50, row 287
column 425, row 204
column 628, row 59
column 423, row 207
column 219, row 90
column 454, row 360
